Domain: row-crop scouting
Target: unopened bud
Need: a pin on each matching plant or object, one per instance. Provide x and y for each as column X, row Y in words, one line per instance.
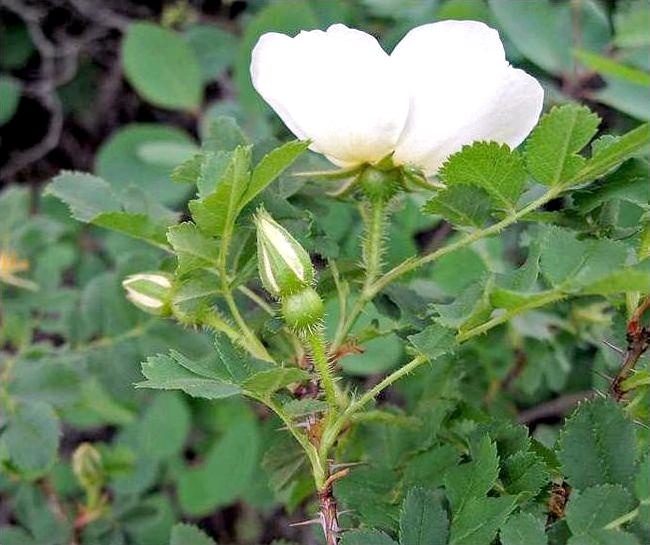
column 87, row 466
column 150, row 292
column 303, row 311
column 284, row 265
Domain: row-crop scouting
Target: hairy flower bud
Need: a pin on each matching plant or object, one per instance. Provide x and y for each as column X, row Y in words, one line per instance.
column 303, row 311
column 284, row 265
column 87, row 466
column 150, row 292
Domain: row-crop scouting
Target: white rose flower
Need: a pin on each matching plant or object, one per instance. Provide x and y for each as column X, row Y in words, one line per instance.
column 445, row 85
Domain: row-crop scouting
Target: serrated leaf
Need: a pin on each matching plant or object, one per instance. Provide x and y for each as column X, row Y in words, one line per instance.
column 479, row 521
column 32, row 436
column 423, row 519
column 630, row 182
column 163, row 373
column 469, row 309
column 628, row 279
column 596, row 445
column 593, row 508
column 195, row 292
column 434, row 341
column 523, row 529
column 460, row 205
column 489, row 166
column 609, row 157
column 473, row 479
column 162, row 67
column 194, row 248
column 213, row 167
column 86, row 196
column 188, row 534
column 188, row 171
column 93, row 200
column 220, row 208
column 265, row 383
column 224, row 134
column 271, row 166
column 571, row 263
column 551, row 151
column 524, row 473
column 134, row 225
column 368, row 491
column 429, row 468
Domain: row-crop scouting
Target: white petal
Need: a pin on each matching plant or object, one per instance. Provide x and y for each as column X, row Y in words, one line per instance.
column 462, row 90
column 336, row 88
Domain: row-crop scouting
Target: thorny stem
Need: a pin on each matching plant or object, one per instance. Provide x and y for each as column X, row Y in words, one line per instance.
column 328, row 509
column 638, row 341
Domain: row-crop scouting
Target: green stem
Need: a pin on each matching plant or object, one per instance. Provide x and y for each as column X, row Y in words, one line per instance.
column 494, row 229
column 331, row 433
column 319, row 357
column 548, row 297
column 415, row 262
column 373, row 249
column 253, row 344
column 381, row 386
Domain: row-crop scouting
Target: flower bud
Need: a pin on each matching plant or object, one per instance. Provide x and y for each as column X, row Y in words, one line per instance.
column 150, row 292
column 378, row 184
column 87, row 466
column 284, row 265
column 303, row 311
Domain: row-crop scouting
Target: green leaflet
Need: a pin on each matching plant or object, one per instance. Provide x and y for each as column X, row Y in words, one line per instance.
column 473, row 479
column 423, row 519
column 523, row 529
column 596, row 445
column 31, row 438
column 460, row 205
column 93, row 200
column 591, row 510
column 494, row 168
column 551, row 151
column 162, row 67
